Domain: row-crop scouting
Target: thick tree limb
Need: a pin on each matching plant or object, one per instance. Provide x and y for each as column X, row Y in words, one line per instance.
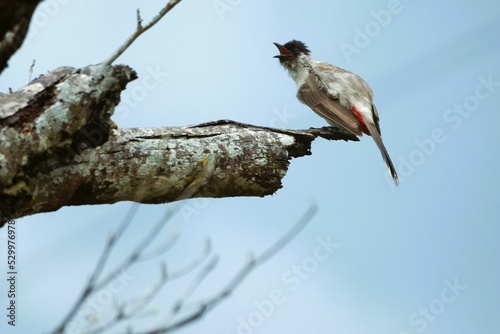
column 58, row 147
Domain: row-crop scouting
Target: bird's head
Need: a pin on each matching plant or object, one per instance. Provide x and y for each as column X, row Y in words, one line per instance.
column 290, row 51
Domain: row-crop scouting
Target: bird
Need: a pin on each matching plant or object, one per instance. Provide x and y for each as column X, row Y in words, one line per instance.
column 339, row 96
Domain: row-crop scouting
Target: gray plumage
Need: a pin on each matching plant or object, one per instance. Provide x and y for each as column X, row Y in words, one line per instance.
column 341, row 97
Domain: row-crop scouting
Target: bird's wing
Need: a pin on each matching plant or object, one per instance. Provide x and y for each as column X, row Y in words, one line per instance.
column 328, row 107
column 334, row 79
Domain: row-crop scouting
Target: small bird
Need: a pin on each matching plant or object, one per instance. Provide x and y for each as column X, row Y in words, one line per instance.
column 341, row 97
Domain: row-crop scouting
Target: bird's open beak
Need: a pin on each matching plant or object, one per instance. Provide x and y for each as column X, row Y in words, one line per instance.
column 284, row 52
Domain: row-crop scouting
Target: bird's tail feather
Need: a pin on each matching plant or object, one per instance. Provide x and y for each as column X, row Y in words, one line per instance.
column 378, row 140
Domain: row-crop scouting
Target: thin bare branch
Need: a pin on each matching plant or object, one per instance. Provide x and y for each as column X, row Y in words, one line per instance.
column 195, row 284
column 139, row 19
column 264, row 257
column 162, row 249
column 93, row 284
column 31, row 70
column 90, row 287
column 139, row 249
column 252, row 264
column 123, row 313
column 195, row 263
column 140, row 30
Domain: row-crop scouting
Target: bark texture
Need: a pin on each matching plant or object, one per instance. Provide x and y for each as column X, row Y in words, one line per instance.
column 59, row 147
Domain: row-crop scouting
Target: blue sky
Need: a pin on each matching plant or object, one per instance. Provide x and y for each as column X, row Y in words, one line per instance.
column 420, row 258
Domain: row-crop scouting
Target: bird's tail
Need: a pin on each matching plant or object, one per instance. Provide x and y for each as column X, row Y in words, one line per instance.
column 378, row 140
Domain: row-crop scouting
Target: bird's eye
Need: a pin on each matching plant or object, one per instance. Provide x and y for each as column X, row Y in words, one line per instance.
column 296, row 50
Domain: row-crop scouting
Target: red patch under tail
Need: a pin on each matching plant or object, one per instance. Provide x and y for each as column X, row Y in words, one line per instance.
column 361, row 120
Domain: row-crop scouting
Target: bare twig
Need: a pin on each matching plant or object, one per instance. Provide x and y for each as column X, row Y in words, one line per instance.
column 31, row 70
column 252, row 264
column 139, row 249
column 126, row 313
column 90, row 287
column 141, row 29
column 123, row 314
column 93, row 285
column 195, row 263
column 195, row 284
column 162, row 249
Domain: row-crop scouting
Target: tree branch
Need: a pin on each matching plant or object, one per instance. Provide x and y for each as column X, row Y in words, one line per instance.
column 140, row 29
column 96, row 283
column 59, row 147
column 237, row 279
column 181, row 312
